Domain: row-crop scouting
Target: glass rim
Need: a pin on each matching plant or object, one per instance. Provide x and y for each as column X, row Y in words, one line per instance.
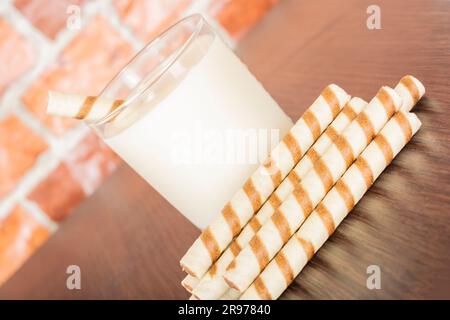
column 199, row 23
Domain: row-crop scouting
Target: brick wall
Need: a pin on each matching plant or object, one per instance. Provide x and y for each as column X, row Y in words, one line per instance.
column 49, row 165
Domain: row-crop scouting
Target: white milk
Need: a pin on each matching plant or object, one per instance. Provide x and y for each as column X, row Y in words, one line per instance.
column 168, row 142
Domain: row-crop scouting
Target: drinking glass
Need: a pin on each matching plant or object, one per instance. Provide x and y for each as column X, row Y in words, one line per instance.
column 195, row 123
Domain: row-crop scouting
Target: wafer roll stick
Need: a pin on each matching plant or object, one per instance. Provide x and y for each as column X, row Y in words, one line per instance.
column 411, row 90
column 189, row 283
column 236, row 213
column 212, row 285
column 319, row 226
column 230, row 294
column 80, row 107
column 311, row 189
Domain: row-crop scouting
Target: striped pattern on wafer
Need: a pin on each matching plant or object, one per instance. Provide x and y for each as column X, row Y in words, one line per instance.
column 89, row 108
column 215, row 238
column 411, row 90
column 212, row 285
column 289, row 262
column 311, row 189
column 348, row 114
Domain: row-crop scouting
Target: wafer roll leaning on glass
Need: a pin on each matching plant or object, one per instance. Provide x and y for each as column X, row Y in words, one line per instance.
column 311, row 189
column 88, row 108
column 319, row 226
column 237, row 212
column 212, row 284
column 410, row 90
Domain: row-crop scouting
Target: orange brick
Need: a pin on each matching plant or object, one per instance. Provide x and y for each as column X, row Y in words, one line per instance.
column 19, row 149
column 58, row 194
column 16, row 55
column 20, row 235
column 49, row 16
column 85, row 66
column 80, row 173
column 238, row 16
column 148, row 18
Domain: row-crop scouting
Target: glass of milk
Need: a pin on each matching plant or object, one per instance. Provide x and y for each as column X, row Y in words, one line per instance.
column 195, row 123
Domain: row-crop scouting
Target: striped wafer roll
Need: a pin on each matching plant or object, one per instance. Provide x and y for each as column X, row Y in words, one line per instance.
column 411, row 90
column 236, row 213
column 288, row 263
column 311, row 189
column 80, row 107
column 189, row 283
column 212, row 285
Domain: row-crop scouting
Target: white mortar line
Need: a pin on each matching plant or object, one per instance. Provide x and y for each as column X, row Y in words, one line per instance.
column 36, row 212
column 45, row 164
column 197, row 6
column 88, row 12
column 46, row 51
column 38, row 43
column 110, row 13
column 30, row 120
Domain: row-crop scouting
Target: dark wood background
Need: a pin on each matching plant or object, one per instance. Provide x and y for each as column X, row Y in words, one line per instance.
column 128, row 240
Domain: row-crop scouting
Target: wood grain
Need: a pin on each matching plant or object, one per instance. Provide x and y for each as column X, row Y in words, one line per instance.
column 127, row 240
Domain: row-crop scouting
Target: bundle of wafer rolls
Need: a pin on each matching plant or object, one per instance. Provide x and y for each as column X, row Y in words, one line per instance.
column 288, row 208
column 261, row 184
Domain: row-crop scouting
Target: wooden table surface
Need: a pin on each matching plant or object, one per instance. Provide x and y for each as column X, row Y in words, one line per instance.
column 128, row 240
